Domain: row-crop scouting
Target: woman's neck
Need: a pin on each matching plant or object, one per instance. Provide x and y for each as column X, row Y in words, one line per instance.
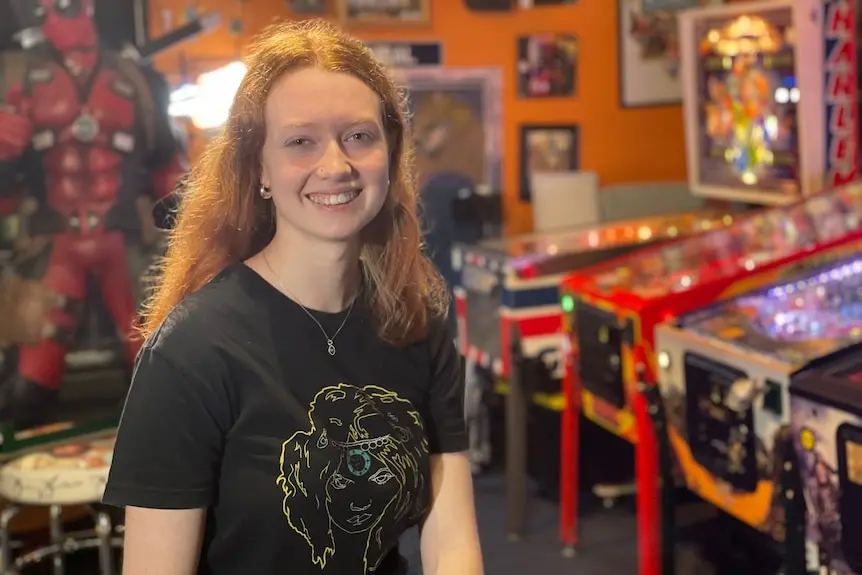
column 322, row 277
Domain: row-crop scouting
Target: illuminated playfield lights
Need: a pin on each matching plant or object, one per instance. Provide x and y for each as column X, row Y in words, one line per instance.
column 837, row 273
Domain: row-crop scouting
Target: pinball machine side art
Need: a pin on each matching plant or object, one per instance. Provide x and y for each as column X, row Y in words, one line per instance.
column 728, row 454
column 828, row 442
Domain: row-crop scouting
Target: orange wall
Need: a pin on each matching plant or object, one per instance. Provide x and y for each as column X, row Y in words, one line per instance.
column 622, row 145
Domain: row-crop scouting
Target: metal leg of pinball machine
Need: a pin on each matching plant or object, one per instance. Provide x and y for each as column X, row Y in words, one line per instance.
column 647, row 477
column 666, row 493
column 570, row 442
column 516, row 438
column 794, row 509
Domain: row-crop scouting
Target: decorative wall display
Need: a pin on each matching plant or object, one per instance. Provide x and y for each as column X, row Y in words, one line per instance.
column 408, row 54
column 649, row 51
column 547, row 148
column 386, row 12
column 456, row 119
column 547, row 65
column 307, row 7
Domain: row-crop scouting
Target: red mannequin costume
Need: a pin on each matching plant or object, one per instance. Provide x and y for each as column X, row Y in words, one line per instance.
column 90, row 131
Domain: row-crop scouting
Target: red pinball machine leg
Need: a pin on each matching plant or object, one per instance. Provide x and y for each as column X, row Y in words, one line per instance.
column 569, row 457
column 647, row 477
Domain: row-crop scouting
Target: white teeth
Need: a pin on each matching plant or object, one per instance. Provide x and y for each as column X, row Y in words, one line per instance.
column 333, row 199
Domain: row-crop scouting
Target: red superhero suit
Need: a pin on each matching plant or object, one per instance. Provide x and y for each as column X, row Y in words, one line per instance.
column 90, row 129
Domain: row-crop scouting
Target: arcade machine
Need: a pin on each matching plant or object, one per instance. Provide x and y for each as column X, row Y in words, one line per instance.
column 513, row 282
column 826, row 430
column 618, row 304
column 724, row 374
column 750, row 138
column 511, row 285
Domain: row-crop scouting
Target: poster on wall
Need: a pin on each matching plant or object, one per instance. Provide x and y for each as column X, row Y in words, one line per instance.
column 547, row 148
column 455, row 116
column 547, row 65
column 384, row 12
column 649, row 51
column 456, row 122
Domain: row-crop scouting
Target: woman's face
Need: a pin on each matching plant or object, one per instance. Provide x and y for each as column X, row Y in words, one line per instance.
column 325, row 159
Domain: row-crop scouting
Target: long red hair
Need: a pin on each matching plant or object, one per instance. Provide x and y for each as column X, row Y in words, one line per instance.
column 222, row 219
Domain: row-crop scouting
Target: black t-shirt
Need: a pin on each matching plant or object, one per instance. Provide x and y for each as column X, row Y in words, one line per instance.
column 308, row 463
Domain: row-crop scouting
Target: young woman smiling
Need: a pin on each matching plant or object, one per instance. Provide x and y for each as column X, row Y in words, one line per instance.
column 298, row 402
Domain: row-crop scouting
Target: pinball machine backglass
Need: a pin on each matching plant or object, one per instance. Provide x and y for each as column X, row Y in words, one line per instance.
column 620, row 302
column 751, row 135
column 826, row 429
column 725, row 371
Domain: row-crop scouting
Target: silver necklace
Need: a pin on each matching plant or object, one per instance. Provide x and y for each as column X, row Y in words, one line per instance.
column 330, row 341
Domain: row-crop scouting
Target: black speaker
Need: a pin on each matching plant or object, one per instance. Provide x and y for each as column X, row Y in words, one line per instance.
column 489, row 5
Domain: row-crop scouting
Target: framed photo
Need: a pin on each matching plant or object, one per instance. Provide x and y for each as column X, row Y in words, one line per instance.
column 383, row 12
column 547, row 148
column 649, row 51
column 307, row 7
column 547, row 65
column 455, row 119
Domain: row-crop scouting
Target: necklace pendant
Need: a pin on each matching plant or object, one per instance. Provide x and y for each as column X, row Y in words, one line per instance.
column 330, row 347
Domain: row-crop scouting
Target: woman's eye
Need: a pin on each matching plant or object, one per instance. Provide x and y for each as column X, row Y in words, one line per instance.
column 361, row 137
column 296, row 142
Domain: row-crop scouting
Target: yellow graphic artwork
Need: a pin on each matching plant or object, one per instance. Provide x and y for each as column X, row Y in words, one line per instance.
column 355, row 479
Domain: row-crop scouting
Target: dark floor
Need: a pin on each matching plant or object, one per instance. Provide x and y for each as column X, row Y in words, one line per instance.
column 607, row 544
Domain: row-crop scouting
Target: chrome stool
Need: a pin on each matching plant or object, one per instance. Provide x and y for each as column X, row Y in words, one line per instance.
column 72, row 474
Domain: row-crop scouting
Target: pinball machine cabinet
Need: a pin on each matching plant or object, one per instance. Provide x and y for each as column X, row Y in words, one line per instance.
column 725, row 372
column 826, row 428
column 514, row 282
column 770, row 98
column 619, row 303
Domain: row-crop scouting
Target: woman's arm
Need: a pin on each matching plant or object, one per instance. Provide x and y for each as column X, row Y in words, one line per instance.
column 449, row 536
column 162, row 541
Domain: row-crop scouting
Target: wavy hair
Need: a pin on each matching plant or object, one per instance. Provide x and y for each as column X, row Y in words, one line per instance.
column 222, row 219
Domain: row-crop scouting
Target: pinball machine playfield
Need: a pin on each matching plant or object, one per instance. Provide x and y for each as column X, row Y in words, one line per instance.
column 725, row 374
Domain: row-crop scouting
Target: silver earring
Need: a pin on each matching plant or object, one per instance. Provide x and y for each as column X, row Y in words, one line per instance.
column 265, row 193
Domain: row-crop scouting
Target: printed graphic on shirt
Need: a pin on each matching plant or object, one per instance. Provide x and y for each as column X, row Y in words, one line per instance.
column 356, row 478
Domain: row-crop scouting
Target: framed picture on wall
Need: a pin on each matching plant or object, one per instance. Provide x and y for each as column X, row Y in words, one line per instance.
column 547, row 148
column 649, row 51
column 547, row 65
column 307, row 7
column 383, row 12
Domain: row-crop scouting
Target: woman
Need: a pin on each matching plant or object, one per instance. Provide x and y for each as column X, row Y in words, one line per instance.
column 297, row 404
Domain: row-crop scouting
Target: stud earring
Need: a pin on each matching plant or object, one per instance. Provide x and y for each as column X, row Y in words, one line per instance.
column 265, row 193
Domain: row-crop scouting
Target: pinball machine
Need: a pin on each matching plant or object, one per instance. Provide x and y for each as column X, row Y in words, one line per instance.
column 619, row 303
column 513, row 282
column 826, row 430
column 724, row 373
column 770, row 98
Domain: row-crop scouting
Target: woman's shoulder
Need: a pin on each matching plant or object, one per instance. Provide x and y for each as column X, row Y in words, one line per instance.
column 205, row 319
